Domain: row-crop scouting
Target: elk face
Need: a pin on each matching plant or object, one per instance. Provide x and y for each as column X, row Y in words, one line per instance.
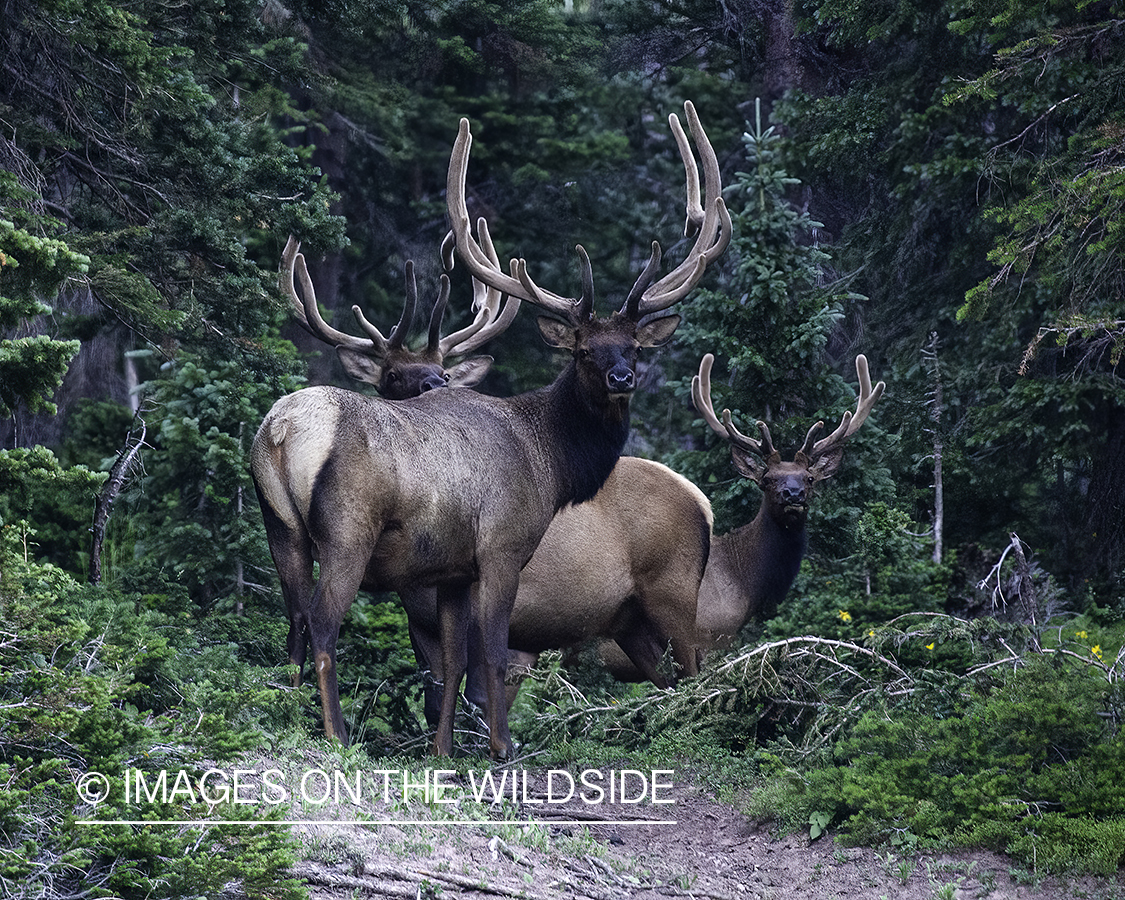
column 396, row 371
column 787, row 487
column 409, row 374
column 605, row 350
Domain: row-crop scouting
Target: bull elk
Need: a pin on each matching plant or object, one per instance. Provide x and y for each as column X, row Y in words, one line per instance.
column 751, row 569
column 396, row 371
column 619, row 567
column 455, row 488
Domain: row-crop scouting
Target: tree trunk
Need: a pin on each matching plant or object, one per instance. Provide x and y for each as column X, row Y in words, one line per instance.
column 1106, row 501
column 102, row 505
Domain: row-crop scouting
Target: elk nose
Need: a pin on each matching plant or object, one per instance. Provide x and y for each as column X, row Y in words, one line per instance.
column 793, row 494
column 620, row 381
column 431, row 382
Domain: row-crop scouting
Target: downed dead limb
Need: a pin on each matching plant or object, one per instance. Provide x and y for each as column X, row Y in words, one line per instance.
column 391, row 881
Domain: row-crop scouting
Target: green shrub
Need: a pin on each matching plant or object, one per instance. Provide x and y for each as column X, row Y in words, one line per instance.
column 95, row 682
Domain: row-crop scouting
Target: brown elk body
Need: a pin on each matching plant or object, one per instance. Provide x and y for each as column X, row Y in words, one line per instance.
column 454, row 488
column 624, row 566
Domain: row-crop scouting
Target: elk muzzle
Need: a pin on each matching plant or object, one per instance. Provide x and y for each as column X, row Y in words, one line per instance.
column 620, row 379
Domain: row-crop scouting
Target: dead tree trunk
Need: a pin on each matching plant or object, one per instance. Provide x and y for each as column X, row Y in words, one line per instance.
column 117, row 477
column 935, row 402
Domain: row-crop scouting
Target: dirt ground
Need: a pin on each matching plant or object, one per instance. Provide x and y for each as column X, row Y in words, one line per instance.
column 711, row 851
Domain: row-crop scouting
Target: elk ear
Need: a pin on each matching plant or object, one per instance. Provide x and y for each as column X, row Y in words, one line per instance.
column 749, row 464
column 556, row 333
column 657, row 331
column 359, row 365
column 827, row 465
column 468, row 372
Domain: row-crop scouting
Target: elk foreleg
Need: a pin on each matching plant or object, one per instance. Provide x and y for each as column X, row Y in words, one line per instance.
column 453, row 626
column 421, row 611
column 496, row 595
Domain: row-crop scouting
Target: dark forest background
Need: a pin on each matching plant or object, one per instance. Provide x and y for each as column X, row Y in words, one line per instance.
column 939, row 186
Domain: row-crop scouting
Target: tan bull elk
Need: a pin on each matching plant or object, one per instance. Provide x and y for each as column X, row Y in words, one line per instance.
column 388, row 363
column 454, row 488
column 750, row 569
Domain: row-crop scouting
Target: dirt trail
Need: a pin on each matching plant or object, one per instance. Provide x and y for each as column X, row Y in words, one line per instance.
column 712, row 851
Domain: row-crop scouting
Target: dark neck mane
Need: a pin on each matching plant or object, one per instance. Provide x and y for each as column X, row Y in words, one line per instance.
column 583, row 439
column 767, row 558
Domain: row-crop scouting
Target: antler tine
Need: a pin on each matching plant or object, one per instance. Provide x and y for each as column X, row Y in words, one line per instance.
column 285, row 279
column 518, row 284
column 306, row 310
column 489, row 321
column 646, row 278
column 850, row 422
column 709, row 220
column 433, row 340
column 399, row 332
column 701, row 396
column 810, row 438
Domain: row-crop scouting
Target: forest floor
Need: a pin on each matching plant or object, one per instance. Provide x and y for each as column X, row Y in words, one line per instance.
column 706, row 849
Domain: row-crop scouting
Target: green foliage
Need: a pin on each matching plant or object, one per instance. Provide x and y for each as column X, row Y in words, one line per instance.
column 53, row 502
column 1022, row 762
column 926, row 732
column 31, row 267
column 882, row 573
column 186, row 174
column 96, row 682
column 196, row 505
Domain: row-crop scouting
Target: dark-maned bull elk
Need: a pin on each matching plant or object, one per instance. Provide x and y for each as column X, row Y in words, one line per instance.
column 454, row 487
column 396, row 371
column 601, row 570
column 751, row 569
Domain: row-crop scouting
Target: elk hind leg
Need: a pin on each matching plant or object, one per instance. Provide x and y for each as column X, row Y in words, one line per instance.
column 495, row 597
column 292, row 555
column 339, row 581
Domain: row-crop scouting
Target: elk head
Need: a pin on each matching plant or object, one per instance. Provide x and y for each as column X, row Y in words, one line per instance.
column 604, row 348
column 786, row 486
column 396, row 371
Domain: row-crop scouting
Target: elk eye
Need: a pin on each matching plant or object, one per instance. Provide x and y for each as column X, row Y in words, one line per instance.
column 445, row 375
column 583, row 353
column 392, row 377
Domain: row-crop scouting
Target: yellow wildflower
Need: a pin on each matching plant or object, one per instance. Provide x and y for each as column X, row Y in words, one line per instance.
column 930, row 646
column 1097, row 650
column 1081, row 635
column 845, row 616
